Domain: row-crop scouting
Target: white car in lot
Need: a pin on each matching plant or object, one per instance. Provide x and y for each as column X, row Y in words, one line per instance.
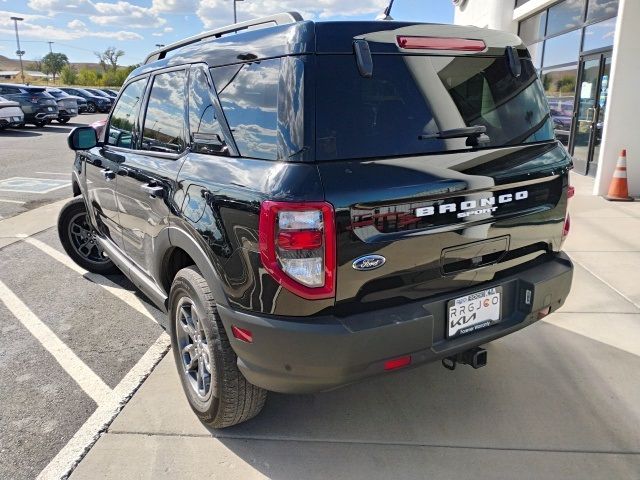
column 10, row 114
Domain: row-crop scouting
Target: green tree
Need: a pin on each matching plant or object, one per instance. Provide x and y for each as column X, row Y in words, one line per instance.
column 52, row 63
column 68, row 75
column 568, row 84
column 109, row 58
column 87, row 78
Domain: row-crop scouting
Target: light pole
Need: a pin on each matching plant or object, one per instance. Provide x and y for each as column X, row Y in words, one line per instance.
column 19, row 52
column 50, row 49
column 235, row 13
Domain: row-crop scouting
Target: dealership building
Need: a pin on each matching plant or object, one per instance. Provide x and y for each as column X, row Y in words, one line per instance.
column 587, row 53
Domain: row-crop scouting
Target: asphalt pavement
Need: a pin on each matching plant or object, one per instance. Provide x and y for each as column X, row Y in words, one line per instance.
column 73, row 345
column 35, row 165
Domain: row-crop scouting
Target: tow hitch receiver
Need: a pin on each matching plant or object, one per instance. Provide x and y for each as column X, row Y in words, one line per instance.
column 476, row 357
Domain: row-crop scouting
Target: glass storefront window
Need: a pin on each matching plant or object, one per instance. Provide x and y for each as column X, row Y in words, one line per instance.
column 601, row 9
column 599, row 35
column 532, row 29
column 560, row 89
column 536, row 54
column 562, row 49
column 564, row 16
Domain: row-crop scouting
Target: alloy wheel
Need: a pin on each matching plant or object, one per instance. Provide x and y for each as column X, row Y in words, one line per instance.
column 83, row 239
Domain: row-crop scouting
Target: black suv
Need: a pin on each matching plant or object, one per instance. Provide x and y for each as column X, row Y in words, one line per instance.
column 38, row 106
column 95, row 103
column 316, row 203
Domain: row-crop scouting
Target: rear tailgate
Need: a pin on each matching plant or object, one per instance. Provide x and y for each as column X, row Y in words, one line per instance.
column 446, row 211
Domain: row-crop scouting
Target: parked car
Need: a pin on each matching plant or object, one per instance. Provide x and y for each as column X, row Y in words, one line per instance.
column 10, row 114
column 95, row 103
column 67, row 105
column 105, row 92
column 337, row 204
column 38, row 106
column 110, row 92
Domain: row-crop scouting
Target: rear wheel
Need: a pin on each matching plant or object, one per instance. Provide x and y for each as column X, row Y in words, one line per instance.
column 40, row 124
column 79, row 240
column 63, row 120
column 217, row 391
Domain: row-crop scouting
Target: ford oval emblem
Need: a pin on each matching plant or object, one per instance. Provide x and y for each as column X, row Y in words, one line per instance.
column 368, row 262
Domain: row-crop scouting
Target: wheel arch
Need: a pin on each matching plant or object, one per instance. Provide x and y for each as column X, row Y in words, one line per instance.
column 185, row 251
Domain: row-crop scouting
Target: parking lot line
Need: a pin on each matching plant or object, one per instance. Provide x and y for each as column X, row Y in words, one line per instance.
column 68, row 174
column 90, row 431
column 91, row 383
column 126, row 296
column 12, row 201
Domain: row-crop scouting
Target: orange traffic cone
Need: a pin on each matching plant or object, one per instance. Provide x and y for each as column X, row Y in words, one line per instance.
column 618, row 189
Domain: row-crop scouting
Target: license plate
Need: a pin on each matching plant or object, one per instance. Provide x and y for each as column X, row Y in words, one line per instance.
column 72, row 110
column 50, row 109
column 473, row 312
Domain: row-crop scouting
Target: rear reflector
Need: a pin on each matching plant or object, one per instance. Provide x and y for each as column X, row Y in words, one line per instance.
column 544, row 312
column 396, row 363
column 566, row 227
column 242, row 334
column 441, row 43
column 571, row 191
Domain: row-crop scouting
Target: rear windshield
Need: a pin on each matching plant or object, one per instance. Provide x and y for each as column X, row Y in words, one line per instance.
column 410, row 96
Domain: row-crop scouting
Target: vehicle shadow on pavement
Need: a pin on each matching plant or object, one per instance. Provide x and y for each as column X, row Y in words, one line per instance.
column 19, row 133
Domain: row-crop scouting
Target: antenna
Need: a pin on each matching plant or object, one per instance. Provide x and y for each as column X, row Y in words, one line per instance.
column 386, row 13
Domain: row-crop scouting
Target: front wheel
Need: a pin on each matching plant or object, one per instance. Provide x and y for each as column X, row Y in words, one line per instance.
column 79, row 239
column 91, row 107
column 216, row 390
column 40, row 124
column 63, row 120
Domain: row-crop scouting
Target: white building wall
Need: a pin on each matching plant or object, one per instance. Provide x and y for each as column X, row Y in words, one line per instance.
column 622, row 122
column 494, row 14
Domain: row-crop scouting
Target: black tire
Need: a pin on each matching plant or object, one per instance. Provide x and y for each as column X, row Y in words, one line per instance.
column 72, row 222
column 40, row 124
column 231, row 399
column 63, row 120
column 91, row 107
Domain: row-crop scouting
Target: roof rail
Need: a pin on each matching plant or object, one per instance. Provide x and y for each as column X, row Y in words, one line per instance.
column 278, row 19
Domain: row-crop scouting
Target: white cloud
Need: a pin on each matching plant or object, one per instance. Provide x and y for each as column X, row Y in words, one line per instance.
column 103, row 13
column 174, row 6
column 168, row 29
column 215, row 13
column 77, row 24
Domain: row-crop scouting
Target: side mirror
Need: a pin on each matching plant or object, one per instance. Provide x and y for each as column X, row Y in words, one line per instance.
column 82, row 138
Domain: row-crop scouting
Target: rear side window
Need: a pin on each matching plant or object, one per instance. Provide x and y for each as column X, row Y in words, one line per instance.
column 164, row 129
column 124, row 115
column 249, row 97
column 410, row 96
column 206, row 133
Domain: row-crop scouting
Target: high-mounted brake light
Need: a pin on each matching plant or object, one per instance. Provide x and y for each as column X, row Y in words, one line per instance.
column 441, row 43
column 298, row 246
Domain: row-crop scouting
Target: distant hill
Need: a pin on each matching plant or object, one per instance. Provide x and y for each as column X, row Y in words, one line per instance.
column 14, row 64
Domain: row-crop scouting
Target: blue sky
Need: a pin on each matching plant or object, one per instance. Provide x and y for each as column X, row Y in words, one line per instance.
column 80, row 27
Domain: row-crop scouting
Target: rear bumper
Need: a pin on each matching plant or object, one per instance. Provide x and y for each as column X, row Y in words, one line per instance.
column 63, row 113
column 301, row 355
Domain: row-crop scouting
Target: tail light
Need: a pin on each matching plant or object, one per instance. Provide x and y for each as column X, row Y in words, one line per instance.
column 298, row 246
column 571, row 191
column 441, row 43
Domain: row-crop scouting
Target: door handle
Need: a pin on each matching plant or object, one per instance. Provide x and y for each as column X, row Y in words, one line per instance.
column 108, row 174
column 153, row 190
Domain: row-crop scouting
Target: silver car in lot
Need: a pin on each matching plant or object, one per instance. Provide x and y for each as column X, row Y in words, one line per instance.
column 10, row 114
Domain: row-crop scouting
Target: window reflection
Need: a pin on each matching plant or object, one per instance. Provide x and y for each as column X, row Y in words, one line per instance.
column 599, row 35
column 560, row 88
column 562, row 49
column 536, row 54
column 601, row 9
column 564, row 16
column 164, row 121
column 249, row 97
column 206, row 133
column 532, row 29
column 124, row 114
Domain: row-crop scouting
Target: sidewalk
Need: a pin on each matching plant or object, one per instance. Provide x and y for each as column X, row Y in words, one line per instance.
column 560, row 399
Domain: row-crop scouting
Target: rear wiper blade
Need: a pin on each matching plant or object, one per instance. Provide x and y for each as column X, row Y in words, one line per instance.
column 475, row 135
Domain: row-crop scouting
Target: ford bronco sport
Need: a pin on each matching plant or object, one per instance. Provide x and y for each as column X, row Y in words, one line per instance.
column 317, row 203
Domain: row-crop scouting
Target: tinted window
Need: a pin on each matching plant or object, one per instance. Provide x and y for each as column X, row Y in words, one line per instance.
column 124, row 115
column 564, row 16
column 206, row 134
column 562, row 49
column 599, row 35
column 411, row 96
column 164, row 122
column 532, row 29
column 249, row 97
column 601, row 9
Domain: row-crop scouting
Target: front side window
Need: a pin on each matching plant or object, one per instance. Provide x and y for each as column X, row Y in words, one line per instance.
column 121, row 125
column 206, row 133
column 163, row 129
column 249, row 97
